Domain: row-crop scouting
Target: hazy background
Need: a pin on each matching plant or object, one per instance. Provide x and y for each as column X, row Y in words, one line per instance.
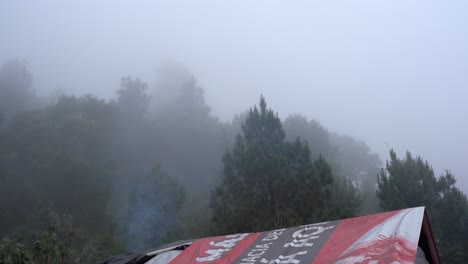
column 391, row 73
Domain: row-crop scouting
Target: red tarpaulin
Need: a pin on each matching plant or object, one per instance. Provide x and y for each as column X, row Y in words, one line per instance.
column 390, row 237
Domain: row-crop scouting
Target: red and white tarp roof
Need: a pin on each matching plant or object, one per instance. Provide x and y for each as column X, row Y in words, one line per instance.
column 390, row 237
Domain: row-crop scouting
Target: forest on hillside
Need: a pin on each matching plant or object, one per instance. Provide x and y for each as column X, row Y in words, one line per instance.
column 84, row 177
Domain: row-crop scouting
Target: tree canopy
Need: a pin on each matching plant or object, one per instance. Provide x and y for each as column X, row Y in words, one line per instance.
column 410, row 182
column 270, row 182
column 16, row 91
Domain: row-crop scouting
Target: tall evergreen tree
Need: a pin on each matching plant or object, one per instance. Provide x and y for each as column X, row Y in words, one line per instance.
column 188, row 139
column 354, row 160
column 411, row 182
column 16, row 91
column 313, row 132
column 270, row 182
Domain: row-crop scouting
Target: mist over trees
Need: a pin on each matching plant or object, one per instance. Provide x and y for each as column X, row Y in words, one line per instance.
column 87, row 177
column 270, row 182
column 16, row 91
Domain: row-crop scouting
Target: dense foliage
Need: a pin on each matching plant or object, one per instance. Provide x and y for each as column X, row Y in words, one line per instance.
column 270, row 182
column 411, row 182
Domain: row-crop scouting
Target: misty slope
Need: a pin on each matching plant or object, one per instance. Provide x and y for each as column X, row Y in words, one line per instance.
column 155, row 165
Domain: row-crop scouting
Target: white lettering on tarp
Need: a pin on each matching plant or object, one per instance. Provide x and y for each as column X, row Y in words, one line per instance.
column 260, row 249
column 222, row 247
column 273, row 235
column 285, row 259
column 302, row 240
column 264, row 246
column 212, row 254
column 230, row 242
column 256, row 253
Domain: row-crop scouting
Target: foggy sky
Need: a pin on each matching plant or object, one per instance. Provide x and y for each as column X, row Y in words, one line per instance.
column 391, row 73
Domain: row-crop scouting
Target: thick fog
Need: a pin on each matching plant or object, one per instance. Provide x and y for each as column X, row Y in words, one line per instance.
column 125, row 125
column 390, row 73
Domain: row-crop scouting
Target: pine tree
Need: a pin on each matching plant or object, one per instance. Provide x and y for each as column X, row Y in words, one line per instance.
column 270, row 182
column 411, row 182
